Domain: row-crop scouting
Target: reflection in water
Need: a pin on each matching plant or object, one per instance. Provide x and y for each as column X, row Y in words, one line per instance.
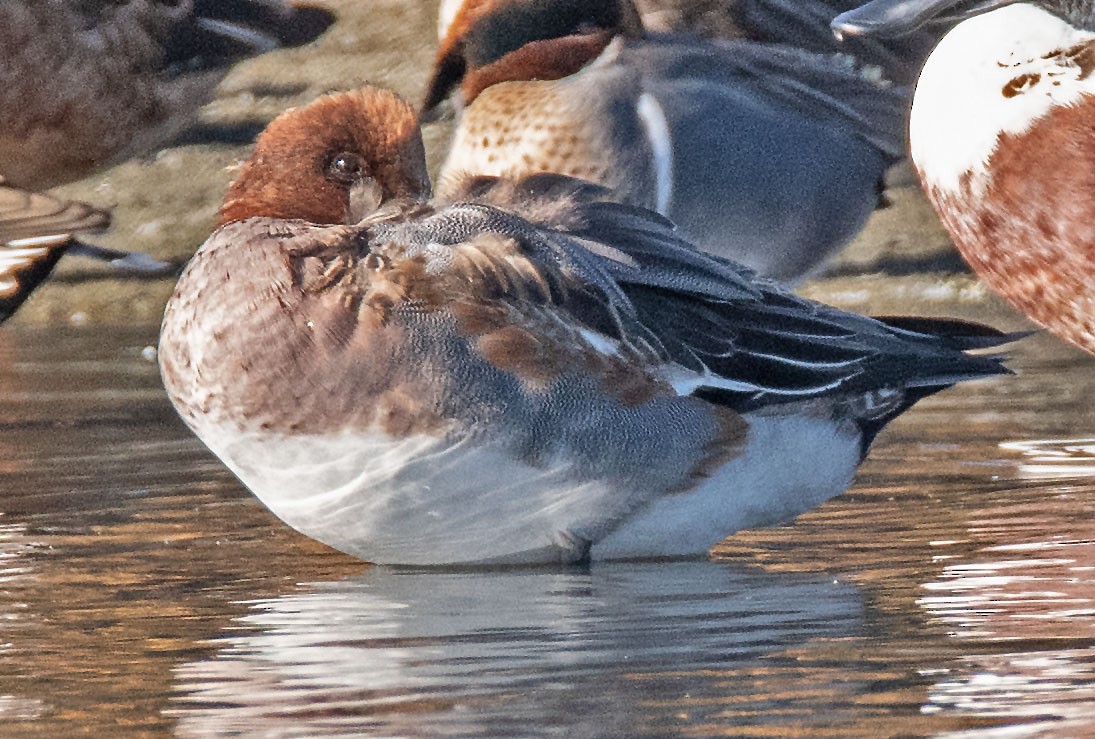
column 1036, row 600
column 14, row 613
column 617, row 651
column 1055, row 458
column 143, row 591
column 1050, row 693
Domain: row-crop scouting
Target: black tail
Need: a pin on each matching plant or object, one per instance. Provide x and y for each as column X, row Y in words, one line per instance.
column 955, row 332
column 952, row 333
column 24, row 268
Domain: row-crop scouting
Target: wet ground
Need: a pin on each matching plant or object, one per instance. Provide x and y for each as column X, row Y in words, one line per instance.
column 143, row 592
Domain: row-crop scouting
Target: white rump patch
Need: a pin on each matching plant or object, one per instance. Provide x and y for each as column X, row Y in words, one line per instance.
column 960, row 107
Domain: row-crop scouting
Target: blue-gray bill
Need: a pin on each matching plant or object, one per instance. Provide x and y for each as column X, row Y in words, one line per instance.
column 899, row 17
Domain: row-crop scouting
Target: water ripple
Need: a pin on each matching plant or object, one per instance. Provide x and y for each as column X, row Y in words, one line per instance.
column 1054, row 458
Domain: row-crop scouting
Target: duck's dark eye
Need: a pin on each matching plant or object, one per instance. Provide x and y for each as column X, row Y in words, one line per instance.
column 345, row 167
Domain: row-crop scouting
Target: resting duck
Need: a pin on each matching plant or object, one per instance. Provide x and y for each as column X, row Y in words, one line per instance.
column 88, row 84
column 1001, row 136
column 767, row 154
column 800, row 23
column 525, row 372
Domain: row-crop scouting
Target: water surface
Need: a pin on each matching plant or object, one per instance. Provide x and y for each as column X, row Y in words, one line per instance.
column 143, row 592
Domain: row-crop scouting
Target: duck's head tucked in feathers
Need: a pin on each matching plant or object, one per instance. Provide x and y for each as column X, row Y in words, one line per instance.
column 526, row 372
column 347, row 153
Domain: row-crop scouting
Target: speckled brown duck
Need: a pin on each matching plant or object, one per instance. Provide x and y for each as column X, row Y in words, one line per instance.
column 89, row 83
column 1002, row 135
column 522, row 372
column 764, row 153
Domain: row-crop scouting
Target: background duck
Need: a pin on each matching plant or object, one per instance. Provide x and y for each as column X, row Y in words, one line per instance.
column 800, row 23
column 89, row 83
column 523, row 372
column 1000, row 134
column 36, row 229
column 766, row 154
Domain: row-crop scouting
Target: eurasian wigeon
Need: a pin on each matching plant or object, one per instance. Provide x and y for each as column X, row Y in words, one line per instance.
column 800, row 23
column 766, row 154
column 1001, row 136
column 525, row 372
column 91, row 83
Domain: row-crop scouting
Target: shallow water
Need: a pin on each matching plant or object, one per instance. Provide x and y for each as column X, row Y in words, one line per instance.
column 143, row 592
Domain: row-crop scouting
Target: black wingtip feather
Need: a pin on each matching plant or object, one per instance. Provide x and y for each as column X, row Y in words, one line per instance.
column 22, row 274
column 955, row 332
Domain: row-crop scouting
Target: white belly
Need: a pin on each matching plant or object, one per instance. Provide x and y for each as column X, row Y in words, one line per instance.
column 792, row 464
column 419, row 500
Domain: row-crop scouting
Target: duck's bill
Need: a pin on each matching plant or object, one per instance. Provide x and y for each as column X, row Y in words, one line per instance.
column 128, row 261
column 898, row 17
